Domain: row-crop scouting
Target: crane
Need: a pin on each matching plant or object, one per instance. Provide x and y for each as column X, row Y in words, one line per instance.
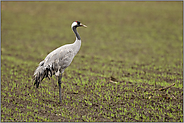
column 58, row 60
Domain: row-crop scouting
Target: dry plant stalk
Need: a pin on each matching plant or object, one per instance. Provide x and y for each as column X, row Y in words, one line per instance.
column 112, row 81
column 165, row 88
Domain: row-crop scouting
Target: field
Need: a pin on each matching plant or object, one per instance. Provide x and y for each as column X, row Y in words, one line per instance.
column 129, row 67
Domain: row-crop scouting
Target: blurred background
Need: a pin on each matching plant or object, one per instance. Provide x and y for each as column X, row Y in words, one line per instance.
column 129, row 31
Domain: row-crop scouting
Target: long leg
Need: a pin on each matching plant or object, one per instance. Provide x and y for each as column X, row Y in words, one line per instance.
column 59, row 83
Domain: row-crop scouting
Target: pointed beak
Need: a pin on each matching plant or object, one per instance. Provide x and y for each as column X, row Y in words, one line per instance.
column 83, row 25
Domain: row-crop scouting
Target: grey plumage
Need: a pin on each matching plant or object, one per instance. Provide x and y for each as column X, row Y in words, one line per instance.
column 58, row 60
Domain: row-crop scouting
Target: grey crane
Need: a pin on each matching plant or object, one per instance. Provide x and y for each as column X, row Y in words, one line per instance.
column 58, row 60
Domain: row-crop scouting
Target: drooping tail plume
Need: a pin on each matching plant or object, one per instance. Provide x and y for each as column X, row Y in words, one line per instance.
column 40, row 73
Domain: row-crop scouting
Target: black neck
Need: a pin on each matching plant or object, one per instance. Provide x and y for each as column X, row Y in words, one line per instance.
column 76, row 33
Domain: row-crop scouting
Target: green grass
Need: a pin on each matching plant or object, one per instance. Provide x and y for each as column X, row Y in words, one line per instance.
column 137, row 43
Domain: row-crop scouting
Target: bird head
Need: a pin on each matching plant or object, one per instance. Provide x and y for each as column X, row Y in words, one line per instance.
column 77, row 24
